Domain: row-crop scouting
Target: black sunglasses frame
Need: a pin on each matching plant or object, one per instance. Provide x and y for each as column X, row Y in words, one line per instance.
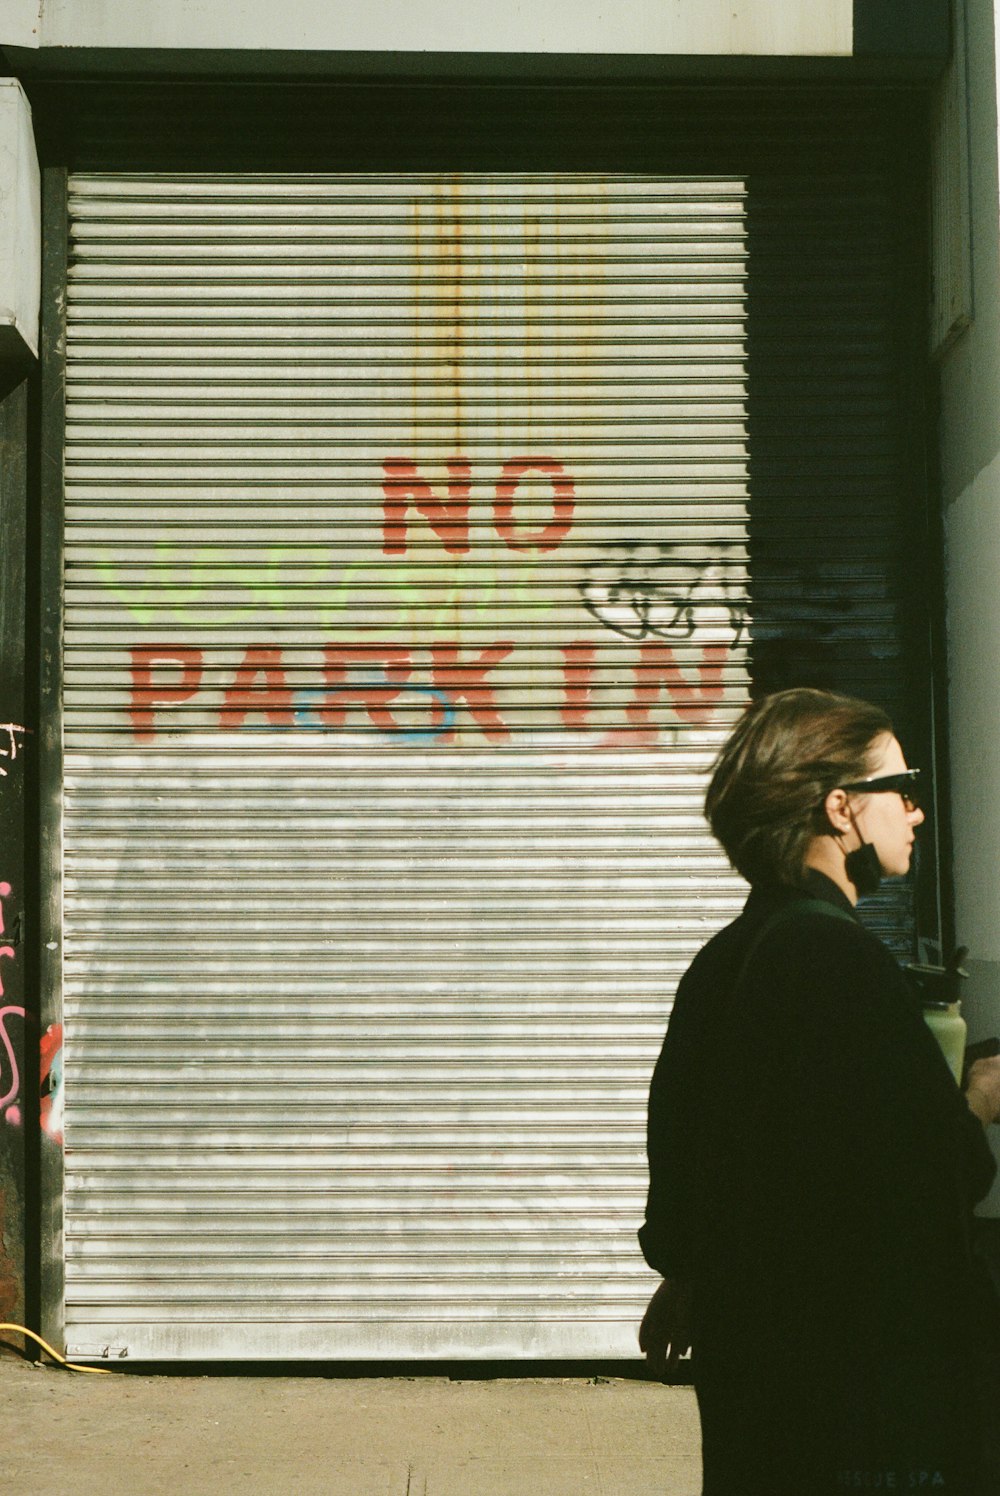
column 904, row 785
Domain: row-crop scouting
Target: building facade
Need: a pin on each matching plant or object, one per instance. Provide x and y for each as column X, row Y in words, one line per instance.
column 425, row 430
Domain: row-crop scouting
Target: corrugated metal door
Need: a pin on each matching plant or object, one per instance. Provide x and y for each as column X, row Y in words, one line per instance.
column 406, row 603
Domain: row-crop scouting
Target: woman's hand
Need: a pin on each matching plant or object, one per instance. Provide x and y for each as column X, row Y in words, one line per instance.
column 982, row 1089
column 665, row 1332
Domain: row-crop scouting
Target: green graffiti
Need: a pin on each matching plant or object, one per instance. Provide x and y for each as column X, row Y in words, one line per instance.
column 183, row 585
column 331, row 609
column 444, row 596
column 179, row 583
column 128, row 596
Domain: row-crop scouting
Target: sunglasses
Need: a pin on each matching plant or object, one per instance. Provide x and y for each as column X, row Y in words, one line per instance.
column 904, row 785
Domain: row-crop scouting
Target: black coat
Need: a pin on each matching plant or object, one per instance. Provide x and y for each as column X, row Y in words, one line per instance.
column 813, row 1169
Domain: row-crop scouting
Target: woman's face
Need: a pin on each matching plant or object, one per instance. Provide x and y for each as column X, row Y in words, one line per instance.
column 883, row 819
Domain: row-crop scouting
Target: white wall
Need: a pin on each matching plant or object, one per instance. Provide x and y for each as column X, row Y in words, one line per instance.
column 970, row 444
column 694, row 27
column 20, row 23
column 20, row 227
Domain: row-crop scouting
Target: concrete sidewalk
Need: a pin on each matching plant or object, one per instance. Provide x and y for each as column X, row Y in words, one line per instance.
column 133, row 1435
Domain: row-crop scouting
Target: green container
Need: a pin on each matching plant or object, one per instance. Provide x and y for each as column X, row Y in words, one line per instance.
column 938, row 987
column 946, row 1023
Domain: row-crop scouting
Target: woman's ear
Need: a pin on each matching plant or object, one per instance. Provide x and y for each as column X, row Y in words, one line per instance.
column 837, row 812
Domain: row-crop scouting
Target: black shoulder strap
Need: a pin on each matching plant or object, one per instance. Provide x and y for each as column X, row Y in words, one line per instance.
column 798, row 906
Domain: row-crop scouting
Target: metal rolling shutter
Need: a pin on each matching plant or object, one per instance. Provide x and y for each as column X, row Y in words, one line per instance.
column 407, row 546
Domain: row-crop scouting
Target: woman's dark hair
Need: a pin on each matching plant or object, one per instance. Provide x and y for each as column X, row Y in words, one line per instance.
column 788, row 751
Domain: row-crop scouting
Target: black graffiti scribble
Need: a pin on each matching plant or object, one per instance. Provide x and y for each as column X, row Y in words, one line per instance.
column 638, row 589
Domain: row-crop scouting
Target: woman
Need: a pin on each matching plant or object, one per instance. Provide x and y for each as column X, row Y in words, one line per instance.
column 813, row 1165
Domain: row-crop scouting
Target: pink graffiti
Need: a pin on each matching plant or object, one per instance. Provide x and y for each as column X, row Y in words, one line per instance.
column 13, row 731
column 50, row 1048
column 9, row 1109
column 5, row 950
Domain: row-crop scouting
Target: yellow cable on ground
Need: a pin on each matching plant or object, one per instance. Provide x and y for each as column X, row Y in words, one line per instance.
column 98, row 1371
